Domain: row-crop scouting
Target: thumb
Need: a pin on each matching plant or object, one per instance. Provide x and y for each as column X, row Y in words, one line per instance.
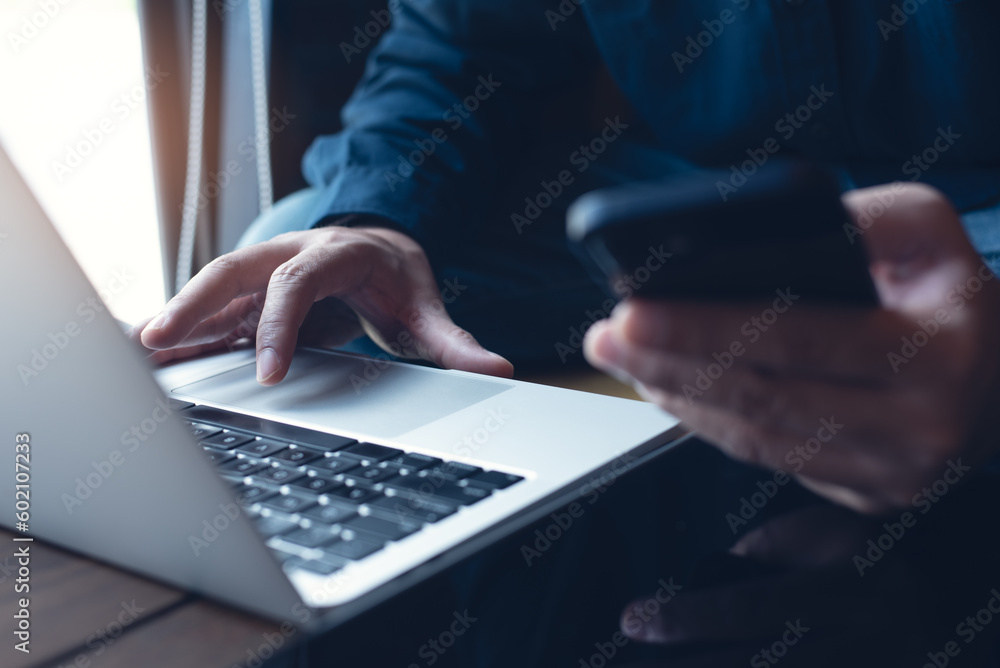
column 907, row 222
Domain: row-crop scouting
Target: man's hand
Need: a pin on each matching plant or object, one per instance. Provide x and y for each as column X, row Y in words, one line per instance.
column 378, row 279
column 867, row 406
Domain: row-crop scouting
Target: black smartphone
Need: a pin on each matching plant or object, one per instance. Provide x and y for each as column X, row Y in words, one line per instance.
column 699, row 237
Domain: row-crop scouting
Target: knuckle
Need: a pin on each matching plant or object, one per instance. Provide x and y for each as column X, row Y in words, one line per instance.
column 290, row 274
column 228, row 264
column 456, row 334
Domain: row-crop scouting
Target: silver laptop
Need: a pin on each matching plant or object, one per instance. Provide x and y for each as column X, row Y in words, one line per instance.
column 308, row 501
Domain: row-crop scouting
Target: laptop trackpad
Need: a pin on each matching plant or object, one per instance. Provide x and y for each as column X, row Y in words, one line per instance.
column 342, row 392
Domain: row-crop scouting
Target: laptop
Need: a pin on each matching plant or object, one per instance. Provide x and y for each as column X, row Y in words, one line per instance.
column 309, row 501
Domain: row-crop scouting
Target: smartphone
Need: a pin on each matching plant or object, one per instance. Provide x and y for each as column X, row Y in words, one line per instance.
column 700, row 237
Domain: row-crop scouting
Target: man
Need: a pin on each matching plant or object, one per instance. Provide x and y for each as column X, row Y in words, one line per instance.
column 450, row 109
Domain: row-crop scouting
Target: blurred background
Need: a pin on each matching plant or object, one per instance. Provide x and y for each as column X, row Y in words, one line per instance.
column 74, row 119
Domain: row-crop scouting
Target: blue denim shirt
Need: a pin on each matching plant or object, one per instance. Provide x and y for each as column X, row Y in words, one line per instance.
column 453, row 94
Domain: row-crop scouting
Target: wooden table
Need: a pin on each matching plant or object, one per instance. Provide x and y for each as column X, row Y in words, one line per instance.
column 85, row 614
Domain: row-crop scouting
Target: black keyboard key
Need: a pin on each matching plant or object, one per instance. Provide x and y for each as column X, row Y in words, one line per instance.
column 387, row 529
column 413, row 486
column 275, row 475
column 314, row 485
column 462, row 494
column 249, row 494
column 492, row 480
column 411, row 462
column 287, row 559
column 295, row 456
column 428, row 504
column 227, row 440
column 275, row 430
column 218, row 456
column 398, row 508
column 354, row 494
column 324, row 566
column 354, row 549
column 261, row 448
column 241, row 466
column 332, row 513
column 287, row 503
column 450, row 471
column 449, row 492
column 315, row 536
column 369, row 475
column 332, row 465
column 200, row 430
column 369, row 452
column 274, row 525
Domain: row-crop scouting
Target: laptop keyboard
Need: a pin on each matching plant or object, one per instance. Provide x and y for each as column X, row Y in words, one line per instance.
column 322, row 500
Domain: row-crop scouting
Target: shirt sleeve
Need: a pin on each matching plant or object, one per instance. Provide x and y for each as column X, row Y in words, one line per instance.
column 449, row 98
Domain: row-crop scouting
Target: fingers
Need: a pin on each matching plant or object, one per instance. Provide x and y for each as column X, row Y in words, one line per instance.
column 268, row 290
column 830, row 343
column 824, row 440
column 441, row 341
column 237, row 274
column 292, row 289
column 159, row 357
column 901, row 222
column 774, row 402
column 236, row 321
